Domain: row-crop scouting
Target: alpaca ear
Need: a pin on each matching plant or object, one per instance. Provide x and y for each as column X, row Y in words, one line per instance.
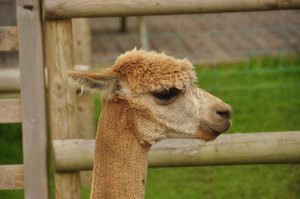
column 107, row 81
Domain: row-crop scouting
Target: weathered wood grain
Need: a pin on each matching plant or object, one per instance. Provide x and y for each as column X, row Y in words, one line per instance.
column 61, row 97
column 82, row 57
column 10, row 111
column 81, row 31
column 33, row 99
column 8, row 38
column 11, row 177
column 234, row 149
column 105, row 8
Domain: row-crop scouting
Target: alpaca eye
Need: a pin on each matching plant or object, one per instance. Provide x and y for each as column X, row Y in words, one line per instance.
column 166, row 96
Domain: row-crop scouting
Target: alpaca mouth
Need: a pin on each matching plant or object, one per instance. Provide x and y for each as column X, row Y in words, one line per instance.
column 215, row 133
column 209, row 132
column 206, row 136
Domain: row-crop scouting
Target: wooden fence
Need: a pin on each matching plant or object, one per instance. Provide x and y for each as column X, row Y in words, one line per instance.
column 31, row 109
column 245, row 148
column 46, row 41
column 104, row 8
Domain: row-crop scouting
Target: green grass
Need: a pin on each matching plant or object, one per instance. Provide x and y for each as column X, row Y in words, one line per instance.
column 264, row 94
column 11, row 153
column 11, row 144
column 251, row 181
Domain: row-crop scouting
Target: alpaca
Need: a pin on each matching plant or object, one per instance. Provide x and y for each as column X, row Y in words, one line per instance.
column 147, row 97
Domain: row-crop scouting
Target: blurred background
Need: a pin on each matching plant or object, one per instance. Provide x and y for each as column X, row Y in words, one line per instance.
column 251, row 60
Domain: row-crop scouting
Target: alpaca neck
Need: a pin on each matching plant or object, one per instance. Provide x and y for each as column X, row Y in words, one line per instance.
column 120, row 164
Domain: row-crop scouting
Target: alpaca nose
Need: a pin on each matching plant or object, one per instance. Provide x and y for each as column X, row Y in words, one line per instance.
column 223, row 110
column 224, row 113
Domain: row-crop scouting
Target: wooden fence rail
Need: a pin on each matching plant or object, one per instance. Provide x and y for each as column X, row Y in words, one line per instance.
column 246, row 148
column 105, row 8
column 10, row 111
column 9, row 80
column 8, row 38
column 11, row 177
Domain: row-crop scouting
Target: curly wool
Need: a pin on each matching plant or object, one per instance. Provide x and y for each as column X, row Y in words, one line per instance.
column 152, row 71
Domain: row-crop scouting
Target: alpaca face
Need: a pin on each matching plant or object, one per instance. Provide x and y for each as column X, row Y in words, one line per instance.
column 175, row 113
column 162, row 96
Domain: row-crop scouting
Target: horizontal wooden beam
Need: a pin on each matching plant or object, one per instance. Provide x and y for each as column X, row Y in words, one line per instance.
column 9, row 80
column 8, row 38
column 105, row 8
column 246, row 148
column 11, row 177
column 10, row 111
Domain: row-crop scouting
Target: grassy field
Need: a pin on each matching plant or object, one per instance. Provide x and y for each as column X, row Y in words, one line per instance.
column 264, row 94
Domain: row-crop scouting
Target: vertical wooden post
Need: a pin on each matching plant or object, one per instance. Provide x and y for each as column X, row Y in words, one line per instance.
column 82, row 56
column 85, row 104
column 62, row 102
column 81, row 30
column 33, row 99
column 144, row 39
column 123, row 24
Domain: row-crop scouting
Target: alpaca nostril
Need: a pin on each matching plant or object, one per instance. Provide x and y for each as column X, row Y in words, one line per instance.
column 224, row 113
column 222, row 110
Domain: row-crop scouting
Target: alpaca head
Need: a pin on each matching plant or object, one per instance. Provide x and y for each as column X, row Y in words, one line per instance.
column 162, row 96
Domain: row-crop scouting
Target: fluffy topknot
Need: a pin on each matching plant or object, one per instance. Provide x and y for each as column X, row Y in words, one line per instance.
column 152, row 71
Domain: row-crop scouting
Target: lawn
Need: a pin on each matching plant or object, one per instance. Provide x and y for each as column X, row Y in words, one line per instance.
column 265, row 97
column 264, row 94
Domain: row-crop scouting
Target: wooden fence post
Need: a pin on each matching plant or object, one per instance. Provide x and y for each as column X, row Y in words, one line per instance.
column 62, row 102
column 85, row 104
column 143, row 31
column 33, row 99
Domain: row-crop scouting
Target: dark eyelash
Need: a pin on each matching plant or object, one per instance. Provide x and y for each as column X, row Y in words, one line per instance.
column 166, row 94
